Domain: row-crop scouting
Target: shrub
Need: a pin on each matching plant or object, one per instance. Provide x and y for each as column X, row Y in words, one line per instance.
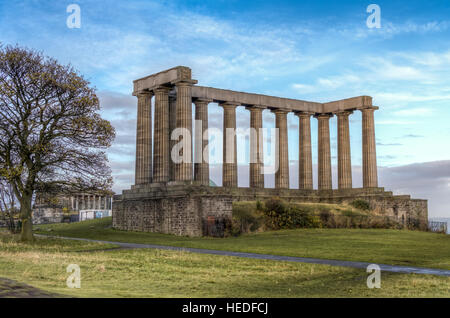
column 280, row 215
column 325, row 216
column 259, row 206
column 246, row 218
column 276, row 214
column 360, row 204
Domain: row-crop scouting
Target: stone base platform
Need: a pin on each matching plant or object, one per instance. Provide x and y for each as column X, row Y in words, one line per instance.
column 190, row 209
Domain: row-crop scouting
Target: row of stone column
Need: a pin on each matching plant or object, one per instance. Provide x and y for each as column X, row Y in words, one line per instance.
column 171, row 113
column 370, row 178
column 90, row 202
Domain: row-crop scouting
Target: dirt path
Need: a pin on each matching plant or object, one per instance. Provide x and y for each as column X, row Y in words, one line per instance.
column 12, row 289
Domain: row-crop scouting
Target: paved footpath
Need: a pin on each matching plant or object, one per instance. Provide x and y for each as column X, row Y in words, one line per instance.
column 363, row 265
column 12, row 289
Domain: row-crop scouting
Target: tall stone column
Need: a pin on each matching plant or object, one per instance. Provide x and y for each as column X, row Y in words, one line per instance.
column 282, row 174
column 305, row 177
column 370, row 176
column 143, row 172
column 183, row 170
column 256, row 147
column 324, row 158
column 344, row 154
column 201, row 169
column 172, row 126
column 161, row 139
column 229, row 167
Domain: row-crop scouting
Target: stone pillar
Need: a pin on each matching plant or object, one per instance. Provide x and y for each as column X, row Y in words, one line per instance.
column 144, row 139
column 172, row 126
column 324, row 158
column 229, row 166
column 161, row 138
column 344, row 154
column 305, row 179
column 183, row 170
column 256, row 147
column 282, row 174
column 370, row 177
column 77, row 203
column 201, row 168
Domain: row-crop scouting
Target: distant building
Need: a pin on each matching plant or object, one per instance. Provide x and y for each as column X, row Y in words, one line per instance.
column 71, row 208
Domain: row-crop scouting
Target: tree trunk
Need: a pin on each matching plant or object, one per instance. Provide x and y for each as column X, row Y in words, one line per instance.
column 26, row 234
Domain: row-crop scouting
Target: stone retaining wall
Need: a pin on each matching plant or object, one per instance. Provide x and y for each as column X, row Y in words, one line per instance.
column 191, row 210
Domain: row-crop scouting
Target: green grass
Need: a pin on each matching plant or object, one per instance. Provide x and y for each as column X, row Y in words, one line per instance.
column 394, row 247
column 158, row 273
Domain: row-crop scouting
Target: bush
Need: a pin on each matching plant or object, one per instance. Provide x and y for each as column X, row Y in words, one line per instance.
column 360, row 204
column 277, row 214
column 280, row 215
column 246, row 218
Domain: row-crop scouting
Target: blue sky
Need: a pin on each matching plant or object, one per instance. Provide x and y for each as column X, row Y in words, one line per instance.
column 314, row 50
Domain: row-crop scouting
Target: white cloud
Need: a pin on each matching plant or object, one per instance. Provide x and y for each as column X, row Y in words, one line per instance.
column 414, row 112
column 326, row 84
column 395, row 122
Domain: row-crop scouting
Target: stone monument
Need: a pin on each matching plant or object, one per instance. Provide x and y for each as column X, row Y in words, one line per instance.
column 175, row 197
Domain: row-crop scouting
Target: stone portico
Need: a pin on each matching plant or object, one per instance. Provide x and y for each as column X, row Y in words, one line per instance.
column 175, row 197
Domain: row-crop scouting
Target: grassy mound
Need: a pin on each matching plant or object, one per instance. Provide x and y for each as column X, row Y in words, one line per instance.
column 276, row 214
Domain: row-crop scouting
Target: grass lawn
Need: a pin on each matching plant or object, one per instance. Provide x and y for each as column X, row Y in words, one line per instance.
column 394, row 247
column 158, row 273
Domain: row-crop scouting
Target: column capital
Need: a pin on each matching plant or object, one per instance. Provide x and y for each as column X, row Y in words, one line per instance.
column 323, row 116
column 303, row 114
column 184, row 82
column 255, row 107
column 143, row 94
column 371, row 108
column 162, row 89
column 280, row 111
column 202, row 100
column 229, row 104
column 344, row 113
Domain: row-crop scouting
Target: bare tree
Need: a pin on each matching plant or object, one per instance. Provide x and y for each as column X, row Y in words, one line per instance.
column 8, row 206
column 51, row 134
